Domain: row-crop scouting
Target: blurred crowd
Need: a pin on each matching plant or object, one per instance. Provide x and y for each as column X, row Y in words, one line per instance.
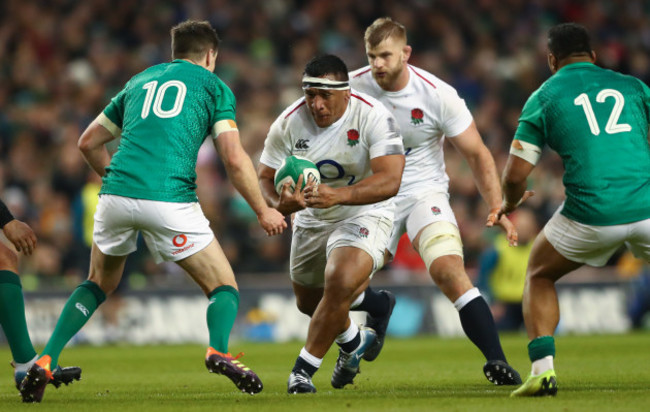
column 62, row 60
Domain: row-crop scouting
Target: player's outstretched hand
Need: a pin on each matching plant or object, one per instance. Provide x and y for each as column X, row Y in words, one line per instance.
column 320, row 196
column 506, row 224
column 272, row 221
column 21, row 235
column 507, row 208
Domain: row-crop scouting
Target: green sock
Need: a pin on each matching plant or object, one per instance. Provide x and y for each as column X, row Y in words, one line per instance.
column 76, row 312
column 12, row 317
column 222, row 311
column 541, row 347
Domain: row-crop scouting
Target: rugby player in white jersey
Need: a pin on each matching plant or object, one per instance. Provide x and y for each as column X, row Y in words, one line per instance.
column 342, row 226
column 427, row 110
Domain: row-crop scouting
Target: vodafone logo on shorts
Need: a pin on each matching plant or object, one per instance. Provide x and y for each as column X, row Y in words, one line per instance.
column 179, row 240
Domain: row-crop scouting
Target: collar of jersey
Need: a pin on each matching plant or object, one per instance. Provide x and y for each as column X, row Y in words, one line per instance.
column 576, row 65
column 182, row 61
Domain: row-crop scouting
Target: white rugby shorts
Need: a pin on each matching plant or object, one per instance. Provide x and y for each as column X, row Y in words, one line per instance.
column 594, row 245
column 172, row 231
column 310, row 247
column 413, row 213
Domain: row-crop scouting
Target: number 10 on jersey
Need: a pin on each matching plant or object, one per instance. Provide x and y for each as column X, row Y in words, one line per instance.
column 181, row 91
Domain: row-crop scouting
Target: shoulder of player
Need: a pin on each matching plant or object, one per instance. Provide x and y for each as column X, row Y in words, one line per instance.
column 365, row 104
column 293, row 116
column 430, row 84
column 360, row 74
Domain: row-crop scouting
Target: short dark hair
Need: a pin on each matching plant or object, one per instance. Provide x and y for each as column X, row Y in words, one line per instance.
column 193, row 39
column 324, row 64
column 568, row 38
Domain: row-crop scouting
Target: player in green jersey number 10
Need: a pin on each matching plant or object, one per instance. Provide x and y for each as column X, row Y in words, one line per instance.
column 163, row 115
column 597, row 121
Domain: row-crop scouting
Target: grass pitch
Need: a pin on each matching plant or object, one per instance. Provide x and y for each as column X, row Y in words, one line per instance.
column 595, row 373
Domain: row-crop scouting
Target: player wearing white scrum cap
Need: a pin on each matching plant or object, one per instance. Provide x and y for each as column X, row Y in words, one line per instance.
column 341, row 226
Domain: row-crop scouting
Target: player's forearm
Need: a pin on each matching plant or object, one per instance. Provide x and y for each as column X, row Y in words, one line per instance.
column 244, row 179
column 373, row 189
column 268, row 192
column 486, row 178
column 97, row 158
column 513, row 191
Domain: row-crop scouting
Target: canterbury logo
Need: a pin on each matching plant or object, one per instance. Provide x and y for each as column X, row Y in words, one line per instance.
column 82, row 309
column 301, row 144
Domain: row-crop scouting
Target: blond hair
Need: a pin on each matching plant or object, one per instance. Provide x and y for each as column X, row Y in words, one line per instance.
column 383, row 28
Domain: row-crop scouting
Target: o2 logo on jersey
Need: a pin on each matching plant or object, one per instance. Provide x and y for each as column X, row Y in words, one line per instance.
column 179, row 240
column 331, row 170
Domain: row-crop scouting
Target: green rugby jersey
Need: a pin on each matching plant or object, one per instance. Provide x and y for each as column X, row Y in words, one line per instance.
column 165, row 114
column 597, row 121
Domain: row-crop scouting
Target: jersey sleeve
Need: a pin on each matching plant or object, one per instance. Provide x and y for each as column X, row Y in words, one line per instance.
column 114, row 112
column 646, row 99
column 384, row 136
column 531, row 122
column 225, row 104
column 454, row 114
column 275, row 145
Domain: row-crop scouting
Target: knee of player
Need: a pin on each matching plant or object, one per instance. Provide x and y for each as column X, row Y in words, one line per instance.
column 8, row 259
column 306, row 306
column 340, row 288
column 439, row 240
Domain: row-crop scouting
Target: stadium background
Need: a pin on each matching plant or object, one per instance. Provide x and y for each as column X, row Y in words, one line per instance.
column 62, row 60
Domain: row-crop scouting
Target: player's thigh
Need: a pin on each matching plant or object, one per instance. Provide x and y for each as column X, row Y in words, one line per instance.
column 355, row 250
column 581, row 243
column 114, row 230
column 547, row 262
column 432, row 208
column 8, row 259
column 638, row 240
column 309, row 255
column 209, row 267
column 174, row 231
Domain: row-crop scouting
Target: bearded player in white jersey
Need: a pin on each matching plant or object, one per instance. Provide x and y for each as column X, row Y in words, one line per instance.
column 428, row 110
column 342, row 226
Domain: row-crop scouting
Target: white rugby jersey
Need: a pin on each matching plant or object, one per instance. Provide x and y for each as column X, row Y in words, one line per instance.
column 426, row 110
column 341, row 151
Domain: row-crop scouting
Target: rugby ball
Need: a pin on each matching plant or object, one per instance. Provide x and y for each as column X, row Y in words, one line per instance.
column 291, row 169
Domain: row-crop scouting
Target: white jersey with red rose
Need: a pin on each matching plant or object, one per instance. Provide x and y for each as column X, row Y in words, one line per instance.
column 426, row 110
column 341, row 151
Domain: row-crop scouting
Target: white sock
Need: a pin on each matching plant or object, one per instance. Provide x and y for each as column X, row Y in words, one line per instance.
column 542, row 365
column 467, row 297
column 22, row 367
column 310, row 359
column 349, row 334
column 358, row 300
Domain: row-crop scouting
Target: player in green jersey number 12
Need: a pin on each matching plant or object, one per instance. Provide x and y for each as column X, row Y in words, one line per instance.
column 163, row 116
column 597, row 121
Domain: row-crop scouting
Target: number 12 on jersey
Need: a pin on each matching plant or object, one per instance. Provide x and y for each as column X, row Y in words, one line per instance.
column 612, row 126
